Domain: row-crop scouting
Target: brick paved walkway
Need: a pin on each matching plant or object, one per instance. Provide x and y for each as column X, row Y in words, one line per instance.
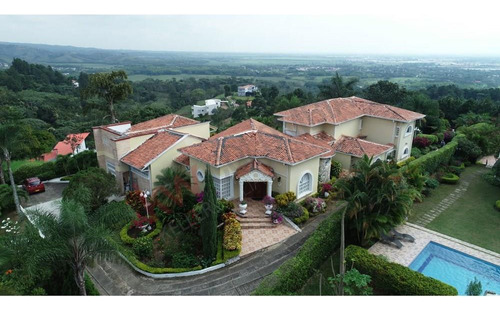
column 240, row 278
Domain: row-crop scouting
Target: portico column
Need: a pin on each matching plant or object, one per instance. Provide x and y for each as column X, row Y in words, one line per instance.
column 270, row 188
column 241, row 190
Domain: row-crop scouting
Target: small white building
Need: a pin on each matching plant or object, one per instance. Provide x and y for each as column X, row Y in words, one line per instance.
column 210, row 107
column 247, row 89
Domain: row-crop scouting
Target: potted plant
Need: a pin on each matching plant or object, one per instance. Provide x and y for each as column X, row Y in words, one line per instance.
column 243, row 207
column 268, row 202
column 276, row 218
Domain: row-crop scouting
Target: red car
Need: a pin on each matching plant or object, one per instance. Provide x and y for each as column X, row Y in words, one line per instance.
column 33, row 185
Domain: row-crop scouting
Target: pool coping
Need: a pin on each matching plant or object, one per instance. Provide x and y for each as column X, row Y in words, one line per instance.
column 423, row 236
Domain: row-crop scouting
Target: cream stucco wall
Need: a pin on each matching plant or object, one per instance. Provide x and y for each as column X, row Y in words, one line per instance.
column 167, row 158
column 344, row 159
column 200, row 129
column 295, row 129
column 378, row 130
column 296, row 172
column 403, row 140
column 349, row 128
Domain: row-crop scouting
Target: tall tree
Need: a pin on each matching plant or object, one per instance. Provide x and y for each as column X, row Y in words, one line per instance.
column 111, row 87
column 337, row 87
column 209, row 218
column 386, row 92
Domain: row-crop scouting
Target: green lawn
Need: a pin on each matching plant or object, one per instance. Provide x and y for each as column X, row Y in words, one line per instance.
column 18, row 163
column 470, row 218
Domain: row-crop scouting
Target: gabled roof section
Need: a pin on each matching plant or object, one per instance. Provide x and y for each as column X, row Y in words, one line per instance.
column 339, row 110
column 255, row 165
column 326, row 142
column 64, row 147
column 182, row 159
column 167, row 121
column 152, row 148
column 358, row 147
column 252, row 139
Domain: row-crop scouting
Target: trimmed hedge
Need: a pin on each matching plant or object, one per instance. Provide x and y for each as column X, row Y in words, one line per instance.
column 450, row 178
column 294, row 273
column 497, row 205
column 433, row 160
column 395, row 279
column 433, row 139
column 129, row 240
column 232, row 235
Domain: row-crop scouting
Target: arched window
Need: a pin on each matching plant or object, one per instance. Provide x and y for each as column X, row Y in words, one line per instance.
column 409, row 130
column 305, row 185
column 406, row 152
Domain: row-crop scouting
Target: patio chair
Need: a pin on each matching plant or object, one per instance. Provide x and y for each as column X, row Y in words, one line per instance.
column 401, row 236
column 390, row 240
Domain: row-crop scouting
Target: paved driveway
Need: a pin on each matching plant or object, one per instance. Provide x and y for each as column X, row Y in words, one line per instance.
column 52, row 192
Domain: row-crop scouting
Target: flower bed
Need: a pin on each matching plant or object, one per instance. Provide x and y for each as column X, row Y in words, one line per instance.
column 126, row 238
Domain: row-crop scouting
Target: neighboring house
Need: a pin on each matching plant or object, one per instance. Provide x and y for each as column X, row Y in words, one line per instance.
column 136, row 154
column 210, row 107
column 252, row 160
column 354, row 126
column 72, row 144
column 247, row 90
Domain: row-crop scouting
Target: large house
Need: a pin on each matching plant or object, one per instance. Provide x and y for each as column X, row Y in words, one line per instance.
column 247, row 90
column 136, row 154
column 353, row 127
column 252, row 160
column 72, row 144
column 209, row 108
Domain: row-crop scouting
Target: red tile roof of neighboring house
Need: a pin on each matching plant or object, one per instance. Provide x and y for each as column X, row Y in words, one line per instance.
column 182, row 159
column 251, row 138
column 254, row 166
column 358, row 147
column 167, row 121
column 64, row 147
column 338, row 110
column 141, row 156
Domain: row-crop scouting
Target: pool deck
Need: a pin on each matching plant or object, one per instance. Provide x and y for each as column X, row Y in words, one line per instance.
column 423, row 236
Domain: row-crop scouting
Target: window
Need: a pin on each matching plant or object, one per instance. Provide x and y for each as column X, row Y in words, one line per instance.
column 406, row 152
column 223, row 187
column 360, row 124
column 409, row 130
column 110, row 167
column 397, row 131
column 143, row 174
column 305, row 184
column 200, row 175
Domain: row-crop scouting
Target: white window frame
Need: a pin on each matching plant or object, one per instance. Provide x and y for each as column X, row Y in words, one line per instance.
column 396, row 133
column 219, row 184
column 144, row 174
column 360, row 124
column 407, row 153
column 111, row 168
column 409, row 130
column 200, row 175
column 309, row 188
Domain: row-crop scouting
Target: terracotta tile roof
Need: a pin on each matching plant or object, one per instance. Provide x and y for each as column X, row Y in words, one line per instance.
column 64, row 147
column 182, row 159
column 150, row 149
column 254, row 166
column 167, row 121
column 338, row 110
column 358, row 147
column 327, row 142
column 253, row 139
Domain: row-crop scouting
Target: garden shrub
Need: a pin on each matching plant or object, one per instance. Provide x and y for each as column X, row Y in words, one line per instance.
column 431, row 183
column 90, row 287
column 134, row 200
column 457, row 170
column 468, row 150
column 433, row 139
column 421, row 142
column 294, row 273
column 314, row 205
column 184, row 260
column 394, row 279
column 440, row 136
column 292, row 210
column 303, row 218
column 433, row 160
column 405, row 162
column 450, row 178
column 226, row 206
column 335, row 169
column 284, row 199
column 232, row 234
column 143, row 247
column 130, row 240
column 497, row 205
column 416, row 153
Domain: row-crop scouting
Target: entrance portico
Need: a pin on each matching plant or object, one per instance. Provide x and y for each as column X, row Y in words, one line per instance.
column 253, row 174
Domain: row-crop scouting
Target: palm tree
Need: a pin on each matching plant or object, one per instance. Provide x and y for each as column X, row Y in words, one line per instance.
column 377, row 198
column 73, row 238
column 337, row 87
column 171, row 188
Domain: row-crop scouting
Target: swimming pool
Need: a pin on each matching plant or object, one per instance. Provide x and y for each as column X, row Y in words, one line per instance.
column 456, row 268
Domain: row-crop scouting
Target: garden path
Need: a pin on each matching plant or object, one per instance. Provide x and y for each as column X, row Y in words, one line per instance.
column 463, row 185
column 240, row 278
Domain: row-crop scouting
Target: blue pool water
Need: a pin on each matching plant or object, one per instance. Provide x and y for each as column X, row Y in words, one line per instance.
column 456, row 268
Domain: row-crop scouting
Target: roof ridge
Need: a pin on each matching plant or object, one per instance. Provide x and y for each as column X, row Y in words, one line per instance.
column 219, row 149
column 289, row 152
column 390, row 108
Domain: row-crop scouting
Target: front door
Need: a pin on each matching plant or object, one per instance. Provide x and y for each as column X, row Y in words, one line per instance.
column 255, row 190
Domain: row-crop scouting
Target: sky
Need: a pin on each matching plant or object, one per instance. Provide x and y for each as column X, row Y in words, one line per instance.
column 313, row 26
